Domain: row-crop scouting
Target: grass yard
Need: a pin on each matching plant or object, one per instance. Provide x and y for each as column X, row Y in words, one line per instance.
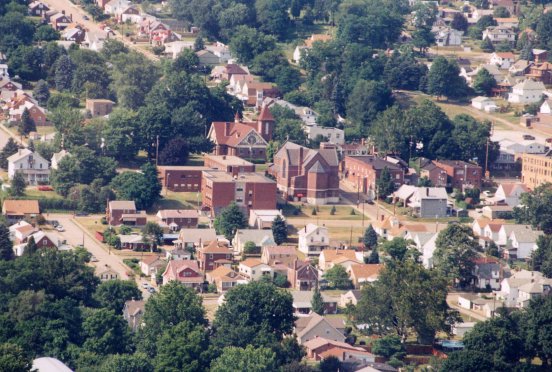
column 92, row 224
column 35, row 193
column 342, row 213
column 177, row 200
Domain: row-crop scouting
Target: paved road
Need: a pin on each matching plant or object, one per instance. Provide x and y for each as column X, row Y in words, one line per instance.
column 78, row 14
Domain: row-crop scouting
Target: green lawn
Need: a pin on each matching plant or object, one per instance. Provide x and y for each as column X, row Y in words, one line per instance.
column 177, row 200
column 35, row 193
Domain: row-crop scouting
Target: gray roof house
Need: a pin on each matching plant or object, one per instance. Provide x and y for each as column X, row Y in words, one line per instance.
column 261, row 238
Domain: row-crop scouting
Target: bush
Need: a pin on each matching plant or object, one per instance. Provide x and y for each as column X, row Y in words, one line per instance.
column 281, row 281
column 125, row 230
column 47, row 204
column 333, row 210
column 40, row 220
column 314, row 213
column 352, row 212
column 103, row 221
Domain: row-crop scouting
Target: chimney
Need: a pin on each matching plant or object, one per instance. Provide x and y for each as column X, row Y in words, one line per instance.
column 427, row 191
column 382, row 217
column 305, row 228
column 237, row 117
column 226, row 129
column 301, row 155
column 63, row 12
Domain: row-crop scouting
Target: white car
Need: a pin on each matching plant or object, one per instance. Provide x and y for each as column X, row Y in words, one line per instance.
column 93, row 259
column 145, row 285
column 60, row 228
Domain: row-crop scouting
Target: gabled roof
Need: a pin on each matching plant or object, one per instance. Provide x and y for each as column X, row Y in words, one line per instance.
column 148, row 260
column 304, row 325
column 529, row 84
column 216, row 247
column 177, row 213
column 265, row 114
column 233, row 69
column 175, row 267
column 251, row 262
column 122, row 204
column 280, row 249
column 21, row 207
column 331, row 255
column 232, row 133
column 365, row 271
column 311, row 228
column 135, row 306
column 195, row 235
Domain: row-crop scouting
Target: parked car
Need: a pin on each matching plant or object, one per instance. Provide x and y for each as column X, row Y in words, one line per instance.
column 151, row 290
column 81, row 214
column 60, row 228
column 45, row 188
column 85, row 17
column 528, row 137
column 93, row 259
column 145, row 285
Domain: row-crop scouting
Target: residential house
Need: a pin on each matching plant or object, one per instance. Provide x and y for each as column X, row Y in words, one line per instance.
column 43, row 241
column 224, row 278
column 232, row 69
column 99, row 107
column 302, row 276
column 522, row 241
column 213, row 255
column 261, row 238
column 134, row 242
column 255, row 269
column 484, row 103
column 484, row 306
column 33, row 167
column 254, row 92
column 499, row 34
column 248, row 191
column 320, row 348
column 228, row 163
column 279, row 254
column 331, row 257
column 123, row 212
column 518, row 290
column 38, row 9
column 207, row 58
column 307, row 174
column 313, row 239
column 526, row 92
column 328, row 134
column 186, row 272
column 236, row 83
column 263, row 218
column 194, row 238
column 56, row 158
column 247, row 140
column 541, row 72
column 129, row 14
column 314, row 325
column 220, row 50
column 503, row 60
column 425, row 202
column 363, row 273
column 447, row 36
column 114, row 7
column 363, row 172
column 437, row 175
column 60, row 21
column 181, row 178
column 510, row 193
column 387, row 227
column 487, row 273
column 493, row 212
column 17, row 210
column 177, row 219
column 133, row 311
column 107, row 273
column 302, row 303
column 520, row 67
column 174, row 48
column 350, row 297
column 511, row 22
column 76, row 34
column 37, row 113
column 177, row 254
column 302, row 50
column 20, row 231
column 150, row 265
column 540, row 55
column 461, row 174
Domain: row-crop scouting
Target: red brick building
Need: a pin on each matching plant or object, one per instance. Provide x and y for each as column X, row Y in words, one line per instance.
column 302, row 276
column 461, row 174
column 213, row 255
column 181, row 178
column 363, row 171
column 247, row 190
column 246, row 140
column 186, row 272
column 123, row 212
column 438, row 176
column 305, row 174
column 176, row 219
column 228, row 163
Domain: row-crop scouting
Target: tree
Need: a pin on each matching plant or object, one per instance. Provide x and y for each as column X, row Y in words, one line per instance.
column 456, row 249
column 373, row 258
column 113, row 294
column 13, row 358
column 467, row 361
column 31, row 246
column 484, row 82
column 279, row 230
column 317, row 302
column 384, row 184
column 152, row 234
column 64, row 73
column 537, row 320
column 256, row 314
column 199, row 44
column 337, row 277
column 500, row 12
column 541, row 258
column 535, row 209
column 229, row 220
column 459, row 22
column 444, row 79
column 367, row 99
column 183, row 347
column 330, row 364
column 250, row 248
column 388, row 347
column 175, row 152
column 9, row 149
column 370, row 238
column 144, row 188
column 398, row 249
column 119, row 135
column 272, row 17
column 423, row 38
column 127, row 363
column 17, row 185
column 26, row 123
column 41, row 92
column 390, row 307
column 473, row 146
column 487, row 45
column 112, row 48
column 106, row 333
column 245, row 359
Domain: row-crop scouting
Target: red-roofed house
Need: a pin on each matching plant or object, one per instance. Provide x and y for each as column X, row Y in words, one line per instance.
column 185, row 271
column 503, row 60
column 320, row 348
column 209, row 255
column 176, row 219
column 363, row 273
column 247, row 140
column 302, row 276
column 510, row 193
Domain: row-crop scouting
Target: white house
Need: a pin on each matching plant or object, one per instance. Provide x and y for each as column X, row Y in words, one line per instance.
column 429, row 202
column 546, row 108
column 222, row 51
column 509, row 193
column 115, row 6
column 4, row 70
column 518, row 289
column 522, row 241
column 486, row 273
column 499, row 34
column 298, row 53
column 56, row 158
column 502, row 60
column 527, row 91
column 261, row 238
column 254, row 269
column 446, row 36
column 34, row 167
column 331, row 135
column 313, row 239
column 484, row 103
column 263, row 218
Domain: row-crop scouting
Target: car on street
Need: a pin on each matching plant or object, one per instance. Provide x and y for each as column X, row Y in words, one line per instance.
column 151, row 290
column 145, row 285
column 85, row 17
column 93, row 259
column 528, row 137
column 60, row 228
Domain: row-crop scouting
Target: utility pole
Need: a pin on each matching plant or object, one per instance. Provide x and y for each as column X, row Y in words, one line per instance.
column 157, row 151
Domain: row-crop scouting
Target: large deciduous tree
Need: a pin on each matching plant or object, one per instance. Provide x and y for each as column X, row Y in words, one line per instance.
column 456, row 249
column 248, row 358
column 279, row 230
column 113, row 294
column 229, row 220
column 444, row 79
column 535, row 208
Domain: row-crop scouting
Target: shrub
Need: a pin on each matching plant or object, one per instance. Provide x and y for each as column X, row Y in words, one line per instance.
column 314, row 212
column 333, row 210
column 352, row 212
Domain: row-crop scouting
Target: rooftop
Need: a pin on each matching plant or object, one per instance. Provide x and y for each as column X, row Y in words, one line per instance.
column 222, row 176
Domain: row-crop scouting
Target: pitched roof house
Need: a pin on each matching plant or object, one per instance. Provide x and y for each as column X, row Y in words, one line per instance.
column 225, row 278
column 261, row 238
column 123, row 212
column 133, row 312
column 313, row 239
column 487, row 273
column 363, row 273
column 215, row 254
column 150, row 265
column 527, row 91
column 255, row 269
column 186, row 272
column 34, row 168
column 331, row 257
column 522, row 286
column 302, row 303
column 302, row 276
column 279, row 254
column 16, row 210
column 510, row 193
column 314, row 325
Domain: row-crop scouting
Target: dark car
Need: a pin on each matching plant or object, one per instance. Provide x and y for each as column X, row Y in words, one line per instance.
column 528, row 137
column 151, row 290
column 81, row 214
column 85, row 17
